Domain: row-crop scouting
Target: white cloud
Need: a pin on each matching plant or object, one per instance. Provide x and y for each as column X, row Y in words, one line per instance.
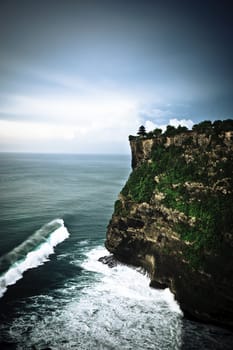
column 72, row 108
column 83, row 118
column 183, row 122
column 156, row 113
column 107, row 109
column 174, row 122
column 88, row 123
column 150, row 126
column 14, row 131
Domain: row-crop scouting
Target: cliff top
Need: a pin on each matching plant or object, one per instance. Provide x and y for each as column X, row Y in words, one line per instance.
column 206, row 127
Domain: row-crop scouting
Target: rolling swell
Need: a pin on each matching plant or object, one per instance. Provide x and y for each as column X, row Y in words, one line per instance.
column 33, row 252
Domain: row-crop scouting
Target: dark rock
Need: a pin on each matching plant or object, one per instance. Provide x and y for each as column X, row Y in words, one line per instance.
column 135, row 223
column 158, row 285
column 109, row 260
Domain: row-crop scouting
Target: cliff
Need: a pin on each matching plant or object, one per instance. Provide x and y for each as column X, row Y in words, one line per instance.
column 174, row 217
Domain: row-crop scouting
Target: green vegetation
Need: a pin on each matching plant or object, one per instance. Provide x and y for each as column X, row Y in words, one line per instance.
column 140, row 184
column 213, row 211
column 216, row 127
column 170, row 131
column 118, row 207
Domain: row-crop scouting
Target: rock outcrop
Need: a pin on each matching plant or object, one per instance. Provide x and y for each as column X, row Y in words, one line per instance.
column 174, row 218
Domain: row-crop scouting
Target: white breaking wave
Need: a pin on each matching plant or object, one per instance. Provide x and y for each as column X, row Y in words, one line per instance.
column 37, row 256
column 127, row 282
column 115, row 309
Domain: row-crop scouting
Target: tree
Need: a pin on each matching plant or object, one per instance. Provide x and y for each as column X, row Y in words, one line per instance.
column 150, row 135
column 170, row 131
column 157, row 132
column 217, row 125
column 203, row 127
column 142, row 131
column 181, row 129
column 227, row 125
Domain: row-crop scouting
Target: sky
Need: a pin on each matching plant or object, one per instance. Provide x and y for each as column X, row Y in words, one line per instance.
column 80, row 76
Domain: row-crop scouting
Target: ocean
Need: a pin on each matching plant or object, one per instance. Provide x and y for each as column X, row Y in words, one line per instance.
column 54, row 293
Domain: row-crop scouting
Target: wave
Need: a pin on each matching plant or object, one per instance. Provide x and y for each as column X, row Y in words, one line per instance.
column 31, row 253
column 127, row 282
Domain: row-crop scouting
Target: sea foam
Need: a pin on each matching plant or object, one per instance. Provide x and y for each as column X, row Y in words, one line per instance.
column 127, row 282
column 103, row 308
column 32, row 252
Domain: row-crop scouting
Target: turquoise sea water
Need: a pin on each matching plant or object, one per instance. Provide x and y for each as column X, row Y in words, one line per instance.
column 54, row 210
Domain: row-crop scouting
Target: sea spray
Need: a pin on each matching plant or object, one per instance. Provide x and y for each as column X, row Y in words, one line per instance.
column 103, row 308
column 32, row 252
column 126, row 281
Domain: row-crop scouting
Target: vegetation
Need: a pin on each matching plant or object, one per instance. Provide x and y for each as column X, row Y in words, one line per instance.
column 140, row 184
column 170, row 131
column 118, row 208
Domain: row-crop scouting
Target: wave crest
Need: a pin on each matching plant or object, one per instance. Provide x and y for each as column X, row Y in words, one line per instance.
column 33, row 252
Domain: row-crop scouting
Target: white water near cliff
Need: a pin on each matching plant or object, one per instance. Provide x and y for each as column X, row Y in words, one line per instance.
column 109, row 308
column 115, row 310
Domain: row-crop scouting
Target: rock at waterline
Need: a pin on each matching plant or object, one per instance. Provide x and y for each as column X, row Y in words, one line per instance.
column 109, row 260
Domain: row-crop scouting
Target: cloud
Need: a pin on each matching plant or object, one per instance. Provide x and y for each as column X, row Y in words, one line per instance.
column 155, row 113
column 77, row 116
column 150, row 126
column 102, row 108
column 183, row 122
column 87, row 123
column 98, row 121
column 15, row 131
column 174, row 122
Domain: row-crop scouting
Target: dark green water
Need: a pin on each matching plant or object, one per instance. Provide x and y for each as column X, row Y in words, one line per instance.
column 54, row 210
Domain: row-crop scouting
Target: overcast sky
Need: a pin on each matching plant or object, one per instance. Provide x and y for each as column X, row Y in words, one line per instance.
column 80, row 76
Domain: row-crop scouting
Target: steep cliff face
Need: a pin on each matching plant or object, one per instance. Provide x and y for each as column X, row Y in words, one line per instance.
column 174, row 217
